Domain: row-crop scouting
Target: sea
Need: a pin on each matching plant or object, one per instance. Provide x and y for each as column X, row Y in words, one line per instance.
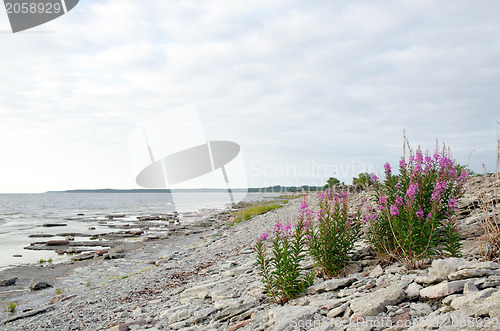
column 22, row 215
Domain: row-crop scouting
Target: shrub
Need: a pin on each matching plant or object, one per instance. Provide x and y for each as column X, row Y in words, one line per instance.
column 282, row 274
column 333, row 233
column 415, row 216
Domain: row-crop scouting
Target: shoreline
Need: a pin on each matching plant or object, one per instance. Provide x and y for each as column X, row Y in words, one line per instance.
column 216, row 285
column 146, row 250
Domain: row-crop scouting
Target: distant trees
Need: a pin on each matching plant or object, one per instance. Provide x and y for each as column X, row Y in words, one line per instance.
column 332, row 181
column 362, row 179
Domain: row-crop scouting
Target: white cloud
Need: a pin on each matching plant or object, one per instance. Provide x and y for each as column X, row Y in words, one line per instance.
column 329, row 83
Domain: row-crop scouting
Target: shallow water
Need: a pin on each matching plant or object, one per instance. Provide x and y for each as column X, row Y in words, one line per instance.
column 25, row 214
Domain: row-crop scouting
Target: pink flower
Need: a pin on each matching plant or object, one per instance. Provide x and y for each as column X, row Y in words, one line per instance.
column 394, row 210
column 308, row 237
column 373, row 178
column 398, row 202
column 264, row 236
column 303, row 205
column 452, row 205
column 287, row 227
column 439, row 189
column 420, row 213
column 412, row 191
column 387, row 168
column 277, row 227
column 464, row 175
column 308, row 224
column 402, row 163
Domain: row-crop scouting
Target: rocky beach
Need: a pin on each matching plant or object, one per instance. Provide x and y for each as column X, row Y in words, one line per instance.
column 206, row 278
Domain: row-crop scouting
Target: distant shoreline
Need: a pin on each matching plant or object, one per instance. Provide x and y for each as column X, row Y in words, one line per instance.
column 269, row 189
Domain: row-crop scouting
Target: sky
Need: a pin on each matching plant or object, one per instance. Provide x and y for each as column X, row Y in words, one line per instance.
column 308, row 89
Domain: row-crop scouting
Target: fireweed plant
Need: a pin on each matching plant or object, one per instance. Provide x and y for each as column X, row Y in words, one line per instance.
column 283, row 276
column 331, row 235
column 415, row 214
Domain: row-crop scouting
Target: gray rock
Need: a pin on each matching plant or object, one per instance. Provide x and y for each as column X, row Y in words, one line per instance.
column 489, row 306
column 51, row 225
column 84, row 256
column 284, row 317
column 36, row 286
column 482, row 265
column 41, row 235
column 230, row 312
column 375, row 302
column 430, row 279
column 491, row 281
column 418, row 309
column 177, row 314
column 444, row 267
column 8, row 282
column 376, row 272
column 469, row 273
column 413, row 291
column 337, row 311
column 442, row 289
column 331, row 284
column 470, row 287
column 472, row 297
column 57, row 242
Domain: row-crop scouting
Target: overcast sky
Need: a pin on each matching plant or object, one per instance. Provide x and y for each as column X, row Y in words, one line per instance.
column 309, row 89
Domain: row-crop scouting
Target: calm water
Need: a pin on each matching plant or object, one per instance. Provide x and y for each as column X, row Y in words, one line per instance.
column 24, row 214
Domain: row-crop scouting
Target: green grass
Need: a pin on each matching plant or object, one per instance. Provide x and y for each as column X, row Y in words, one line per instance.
column 248, row 212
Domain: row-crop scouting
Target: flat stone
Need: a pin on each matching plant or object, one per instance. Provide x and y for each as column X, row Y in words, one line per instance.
column 84, row 256
column 492, row 281
column 281, row 317
column 51, row 225
column 57, row 242
column 442, row 289
column 337, row 311
column 331, row 285
column 177, row 314
column 114, row 255
column 472, row 297
column 482, row 265
column 8, row 282
column 41, row 235
column 444, row 267
column 430, row 279
column 375, row 302
column 469, row 273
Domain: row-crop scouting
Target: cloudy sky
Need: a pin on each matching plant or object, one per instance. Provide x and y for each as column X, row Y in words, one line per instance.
column 309, row 89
